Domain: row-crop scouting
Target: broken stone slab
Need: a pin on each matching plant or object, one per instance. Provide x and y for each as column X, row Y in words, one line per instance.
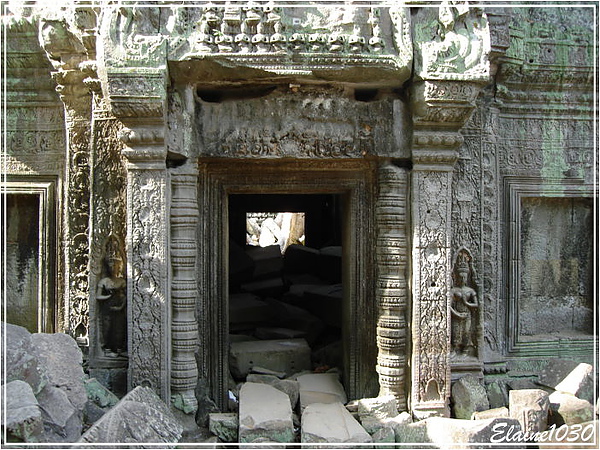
column 247, row 308
column 280, row 355
column 331, row 423
column 491, row 414
column 443, row 432
column 320, row 388
column 530, row 407
column 265, row 412
column 62, row 421
column 21, row 360
column 63, row 360
column 569, row 377
column 140, row 416
column 224, row 426
column 468, row 396
column 568, row 409
column 257, row 370
column 23, row 416
column 289, row 387
column 99, row 394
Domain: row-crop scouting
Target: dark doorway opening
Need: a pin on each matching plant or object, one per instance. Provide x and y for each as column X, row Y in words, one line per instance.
column 285, row 294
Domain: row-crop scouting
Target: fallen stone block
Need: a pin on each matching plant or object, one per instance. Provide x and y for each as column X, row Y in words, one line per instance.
column 62, row 421
column 224, row 426
column 285, row 355
column 569, row 377
column 268, row 261
column 99, row 394
column 21, row 360
column 330, row 264
column 497, row 393
column 272, row 287
column 331, row 355
column 331, row 423
column 265, row 413
column 301, row 259
column 384, row 435
column 248, row 308
column 289, row 387
column 257, row 370
column 23, row 417
column 268, row 333
column 325, row 302
column 140, row 416
column 442, row 432
column 379, row 408
column 373, row 424
column 568, row 409
column 468, row 396
column 290, row 316
column 495, row 413
column 320, row 388
column 241, row 266
column 92, row 413
column 63, row 360
column 530, row 407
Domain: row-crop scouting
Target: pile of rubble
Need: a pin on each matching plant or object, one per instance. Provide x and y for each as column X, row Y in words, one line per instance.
column 49, row 398
column 285, row 311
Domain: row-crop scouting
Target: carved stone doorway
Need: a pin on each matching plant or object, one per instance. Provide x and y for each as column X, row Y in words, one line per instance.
column 353, row 182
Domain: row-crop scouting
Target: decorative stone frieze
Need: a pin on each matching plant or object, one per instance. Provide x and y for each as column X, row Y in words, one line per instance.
column 392, row 283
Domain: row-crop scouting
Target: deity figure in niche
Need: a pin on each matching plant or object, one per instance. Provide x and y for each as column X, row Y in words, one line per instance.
column 112, row 299
column 463, row 308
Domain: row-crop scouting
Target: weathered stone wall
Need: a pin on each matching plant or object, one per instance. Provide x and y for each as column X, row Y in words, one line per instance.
column 525, row 173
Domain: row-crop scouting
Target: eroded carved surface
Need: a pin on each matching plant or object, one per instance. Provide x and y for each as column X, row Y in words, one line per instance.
column 146, row 190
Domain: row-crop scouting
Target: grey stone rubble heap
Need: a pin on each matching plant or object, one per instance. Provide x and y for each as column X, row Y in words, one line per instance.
column 51, row 400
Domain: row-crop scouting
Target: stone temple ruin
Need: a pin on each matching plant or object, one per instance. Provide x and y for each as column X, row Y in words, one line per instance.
column 442, row 157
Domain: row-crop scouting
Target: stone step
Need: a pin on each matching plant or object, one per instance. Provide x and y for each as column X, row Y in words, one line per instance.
column 265, row 414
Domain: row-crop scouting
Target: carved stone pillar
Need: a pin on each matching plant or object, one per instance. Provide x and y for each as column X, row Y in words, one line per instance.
column 430, row 193
column 77, row 100
column 450, row 70
column 147, row 277
column 392, row 285
column 148, row 288
column 66, row 52
column 184, row 291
